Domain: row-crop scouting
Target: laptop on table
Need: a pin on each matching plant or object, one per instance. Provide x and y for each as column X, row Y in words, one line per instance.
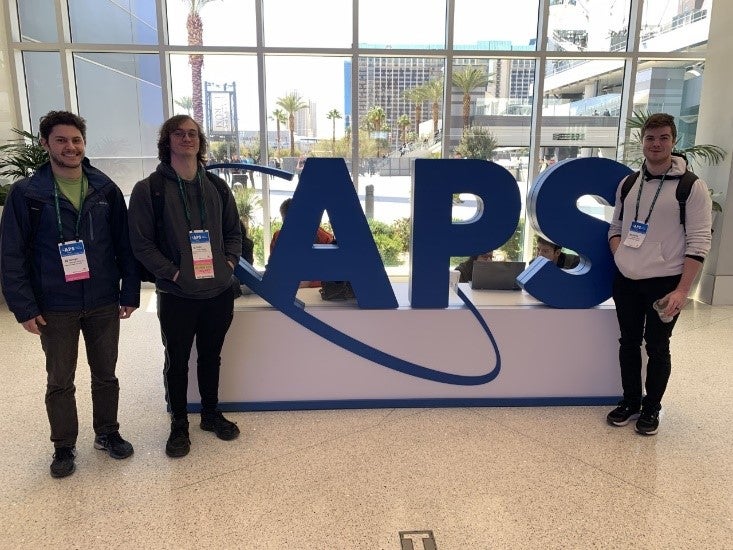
column 496, row 275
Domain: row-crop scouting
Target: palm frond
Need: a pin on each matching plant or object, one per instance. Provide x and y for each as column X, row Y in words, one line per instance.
column 705, row 154
column 20, row 157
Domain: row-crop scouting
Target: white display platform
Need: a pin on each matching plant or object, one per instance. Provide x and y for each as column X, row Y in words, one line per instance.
column 548, row 356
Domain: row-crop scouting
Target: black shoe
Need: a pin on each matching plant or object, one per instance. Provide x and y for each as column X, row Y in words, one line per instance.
column 621, row 415
column 648, row 423
column 215, row 422
column 114, row 445
column 178, row 443
column 63, row 462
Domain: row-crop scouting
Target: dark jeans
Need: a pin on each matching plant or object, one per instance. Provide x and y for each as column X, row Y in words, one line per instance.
column 60, row 341
column 182, row 319
column 637, row 319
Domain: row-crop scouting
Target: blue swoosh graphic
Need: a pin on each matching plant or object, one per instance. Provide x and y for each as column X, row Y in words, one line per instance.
column 249, row 276
column 297, row 313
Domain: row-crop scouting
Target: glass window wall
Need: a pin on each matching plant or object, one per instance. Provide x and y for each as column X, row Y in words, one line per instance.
column 37, row 20
column 43, row 84
column 379, row 99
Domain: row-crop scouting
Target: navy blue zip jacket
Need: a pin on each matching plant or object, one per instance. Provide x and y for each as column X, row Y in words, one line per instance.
column 32, row 275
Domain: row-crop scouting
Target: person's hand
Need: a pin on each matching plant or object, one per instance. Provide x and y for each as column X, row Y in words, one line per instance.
column 675, row 302
column 126, row 311
column 31, row 325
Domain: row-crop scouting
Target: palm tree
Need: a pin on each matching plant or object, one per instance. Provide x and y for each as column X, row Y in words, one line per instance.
column 417, row 96
column 195, row 28
column 403, row 123
column 332, row 115
column 186, row 103
column 434, row 93
column 376, row 116
column 280, row 117
column 468, row 79
column 292, row 103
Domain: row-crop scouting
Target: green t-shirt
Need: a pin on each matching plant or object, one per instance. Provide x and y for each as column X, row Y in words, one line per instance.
column 70, row 189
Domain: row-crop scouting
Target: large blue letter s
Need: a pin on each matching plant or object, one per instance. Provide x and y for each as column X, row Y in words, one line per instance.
column 552, row 209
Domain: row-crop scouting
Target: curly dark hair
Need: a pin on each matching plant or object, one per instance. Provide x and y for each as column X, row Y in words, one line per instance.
column 659, row 120
column 164, row 138
column 55, row 118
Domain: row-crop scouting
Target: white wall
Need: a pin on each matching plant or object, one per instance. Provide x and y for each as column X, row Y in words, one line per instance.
column 715, row 125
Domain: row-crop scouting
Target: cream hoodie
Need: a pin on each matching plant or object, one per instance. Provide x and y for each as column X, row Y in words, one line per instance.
column 667, row 243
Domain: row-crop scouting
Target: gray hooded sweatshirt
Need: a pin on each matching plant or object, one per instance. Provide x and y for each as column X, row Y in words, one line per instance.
column 175, row 254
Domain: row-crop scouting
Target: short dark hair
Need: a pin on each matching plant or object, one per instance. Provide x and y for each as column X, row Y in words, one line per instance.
column 284, row 206
column 541, row 240
column 659, row 120
column 164, row 138
column 56, row 118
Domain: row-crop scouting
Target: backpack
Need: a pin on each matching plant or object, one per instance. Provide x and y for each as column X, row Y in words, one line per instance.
column 336, row 291
column 684, row 187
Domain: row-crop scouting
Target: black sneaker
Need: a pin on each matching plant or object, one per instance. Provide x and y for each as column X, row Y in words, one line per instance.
column 63, row 462
column 114, row 445
column 215, row 422
column 621, row 415
column 178, row 443
column 648, row 423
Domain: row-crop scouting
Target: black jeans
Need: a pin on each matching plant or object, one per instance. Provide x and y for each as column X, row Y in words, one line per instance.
column 182, row 320
column 637, row 319
column 60, row 341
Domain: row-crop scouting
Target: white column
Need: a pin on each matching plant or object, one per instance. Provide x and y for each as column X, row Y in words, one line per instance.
column 715, row 125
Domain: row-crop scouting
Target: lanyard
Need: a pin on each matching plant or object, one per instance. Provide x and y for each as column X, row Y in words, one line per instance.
column 202, row 205
column 654, row 200
column 58, row 209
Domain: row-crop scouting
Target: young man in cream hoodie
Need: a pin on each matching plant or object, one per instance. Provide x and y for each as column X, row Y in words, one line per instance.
column 658, row 258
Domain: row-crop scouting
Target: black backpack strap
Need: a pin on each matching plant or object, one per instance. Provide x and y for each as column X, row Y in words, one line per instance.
column 684, row 188
column 626, row 186
column 157, row 197
column 221, row 186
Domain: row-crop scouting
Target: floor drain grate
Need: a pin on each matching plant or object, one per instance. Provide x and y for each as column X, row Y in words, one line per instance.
column 417, row 540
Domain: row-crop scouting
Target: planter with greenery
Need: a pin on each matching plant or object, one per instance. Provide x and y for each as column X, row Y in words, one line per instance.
column 20, row 157
column 704, row 153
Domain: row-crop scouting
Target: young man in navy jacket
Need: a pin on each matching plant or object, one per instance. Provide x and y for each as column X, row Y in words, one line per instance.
column 67, row 268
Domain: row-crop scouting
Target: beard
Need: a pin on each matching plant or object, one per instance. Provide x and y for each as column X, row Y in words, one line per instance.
column 64, row 162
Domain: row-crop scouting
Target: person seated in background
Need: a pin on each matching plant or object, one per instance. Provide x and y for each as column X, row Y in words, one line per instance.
column 322, row 237
column 554, row 253
column 466, row 268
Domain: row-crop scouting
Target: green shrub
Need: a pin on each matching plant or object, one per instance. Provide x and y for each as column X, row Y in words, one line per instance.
column 389, row 249
column 402, row 232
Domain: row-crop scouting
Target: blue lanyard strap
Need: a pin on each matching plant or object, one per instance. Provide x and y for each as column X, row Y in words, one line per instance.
column 656, row 195
column 58, row 209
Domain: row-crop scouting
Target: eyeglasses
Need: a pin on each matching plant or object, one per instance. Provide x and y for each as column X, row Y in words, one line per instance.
column 180, row 134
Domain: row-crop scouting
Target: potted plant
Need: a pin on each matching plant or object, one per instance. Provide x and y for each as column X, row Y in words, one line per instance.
column 20, row 157
column 704, row 153
column 248, row 200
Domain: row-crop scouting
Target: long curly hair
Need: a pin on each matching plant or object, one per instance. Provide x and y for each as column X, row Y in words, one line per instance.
column 164, row 138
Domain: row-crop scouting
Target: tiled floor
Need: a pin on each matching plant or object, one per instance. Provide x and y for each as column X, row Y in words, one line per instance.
column 479, row 478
